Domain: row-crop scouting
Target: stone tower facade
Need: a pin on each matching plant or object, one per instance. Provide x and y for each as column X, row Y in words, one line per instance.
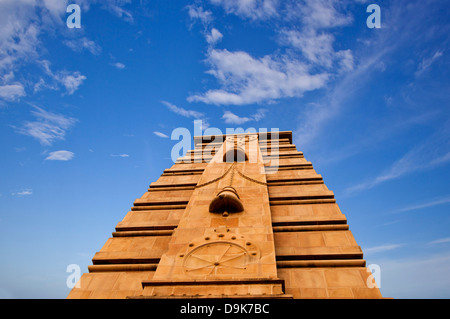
column 239, row 216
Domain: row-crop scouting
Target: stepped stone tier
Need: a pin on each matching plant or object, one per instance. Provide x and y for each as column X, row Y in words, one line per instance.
column 240, row 216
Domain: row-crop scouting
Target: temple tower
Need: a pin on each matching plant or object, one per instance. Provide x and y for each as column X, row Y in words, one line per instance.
column 240, row 216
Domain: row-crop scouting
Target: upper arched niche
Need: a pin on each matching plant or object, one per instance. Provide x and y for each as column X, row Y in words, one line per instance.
column 235, row 154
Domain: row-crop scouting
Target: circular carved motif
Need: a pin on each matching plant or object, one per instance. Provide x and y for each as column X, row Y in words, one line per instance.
column 217, row 258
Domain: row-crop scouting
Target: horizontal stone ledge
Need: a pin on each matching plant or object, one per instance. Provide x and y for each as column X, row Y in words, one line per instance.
column 220, row 282
column 174, row 170
column 283, row 145
column 278, row 229
column 280, row 141
column 317, row 195
column 163, row 207
column 122, row 267
column 140, row 202
column 174, row 188
column 282, row 221
column 307, row 165
column 311, row 177
column 262, row 136
column 160, row 207
column 211, row 296
column 315, row 257
column 321, row 263
column 284, row 155
column 301, row 202
column 181, row 161
column 203, row 152
column 189, row 161
column 283, row 168
column 182, row 173
column 210, row 144
column 312, row 182
column 193, row 158
column 278, row 148
column 120, row 228
column 125, row 261
column 142, row 233
column 164, row 186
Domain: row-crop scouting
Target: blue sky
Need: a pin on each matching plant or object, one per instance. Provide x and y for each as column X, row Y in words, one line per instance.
column 87, row 114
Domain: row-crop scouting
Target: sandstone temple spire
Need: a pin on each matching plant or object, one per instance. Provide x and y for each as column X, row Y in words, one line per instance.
column 239, row 216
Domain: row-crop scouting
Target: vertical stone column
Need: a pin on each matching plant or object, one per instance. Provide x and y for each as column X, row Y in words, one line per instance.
column 226, row 252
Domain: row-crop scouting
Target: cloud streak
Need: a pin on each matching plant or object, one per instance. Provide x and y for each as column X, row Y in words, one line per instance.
column 382, row 248
column 254, row 10
column 23, row 23
column 427, row 155
column 60, row 156
column 421, row 276
column 432, row 203
column 427, row 62
column 307, row 65
column 25, row 192
column 187, row 113
column 12, row 92
column 247, row 80
column 48, row 127
column 120, row 155
column 70, row 80
column 81, row 44
column 231, row 118
column 160, row 134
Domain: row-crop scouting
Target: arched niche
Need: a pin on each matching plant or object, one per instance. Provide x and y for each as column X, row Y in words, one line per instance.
column 236, row 154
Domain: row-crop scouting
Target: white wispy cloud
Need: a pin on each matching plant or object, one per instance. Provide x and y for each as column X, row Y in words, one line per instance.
column 231, row 118
column 254, row 9
column 431, row 203
column 317, row 48
column 320, row 14
column 18, row 42
column 427, row 62
column 183, row 112
column 19, row 36
column 246, row 79
column 378, row 52
column 48, row 127
column 213, row 36
column 11, row 92
column 119, row 65
column 429, row 154
column 382, row 248
column 70, row 80
column 188, row 113
column 25, row 192
column 160, row 134
column 55, row 8
column 198, row 13
column 419, row 277
column 117, row 7
column 60, row 156
column 440, row 241
column 82, row 44
column 22, row 25
column 120, row 155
